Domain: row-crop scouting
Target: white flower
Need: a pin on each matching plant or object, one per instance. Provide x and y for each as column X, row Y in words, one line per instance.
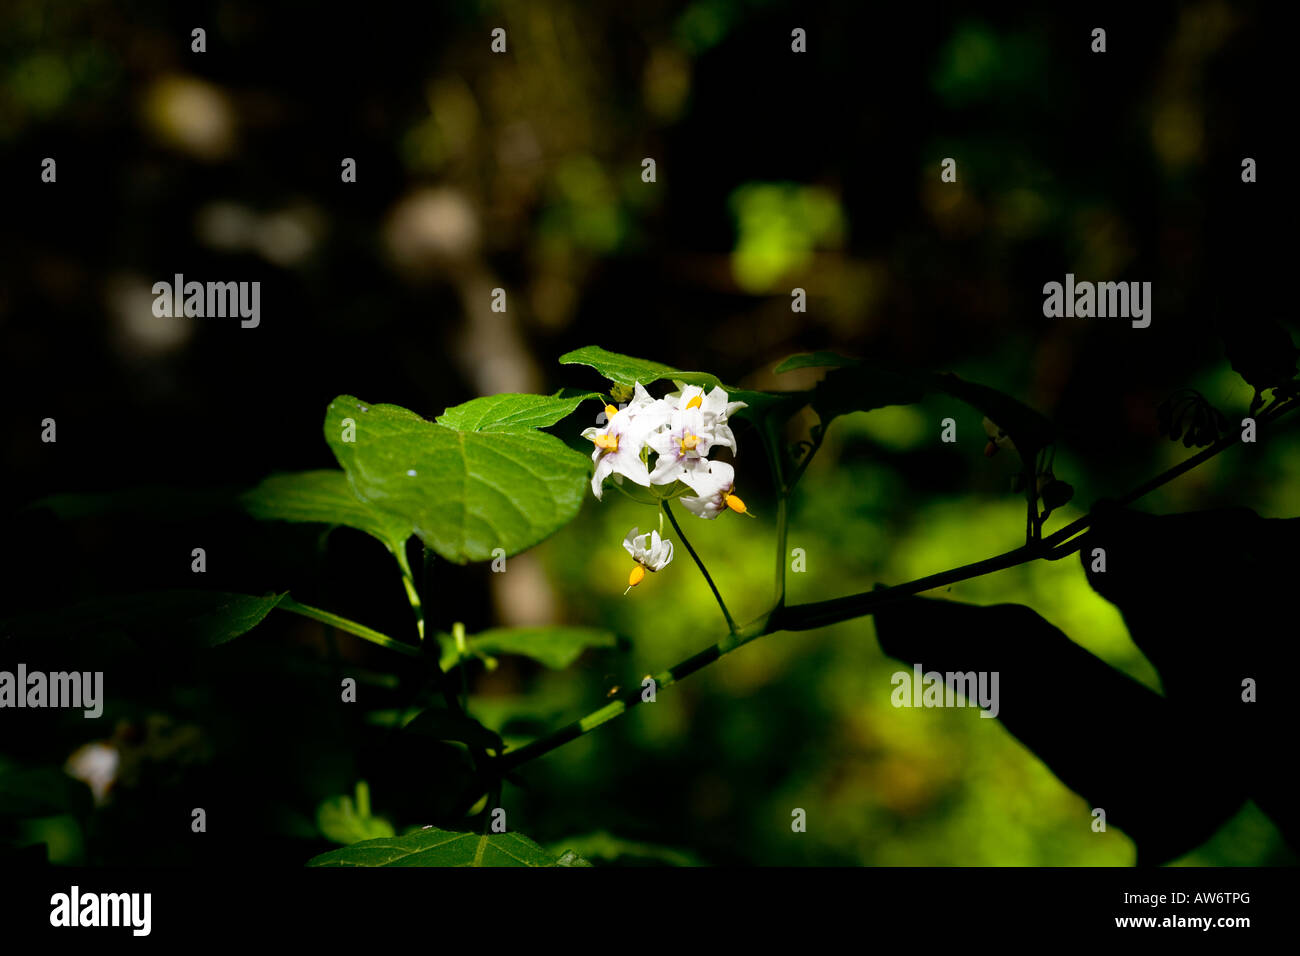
column 95, row 764
column 714, row 407
column 683, row 448
column 680, row 429
column 695, row 423
column 649, row 551
column 716, row 493
column 620, row 441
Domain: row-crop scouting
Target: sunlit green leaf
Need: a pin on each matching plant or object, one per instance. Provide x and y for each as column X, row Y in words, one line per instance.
column 465, row 493
column 511, row 411
column 626, row 370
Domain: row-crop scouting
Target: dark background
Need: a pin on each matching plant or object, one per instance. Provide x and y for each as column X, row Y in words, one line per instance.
column 522, row 171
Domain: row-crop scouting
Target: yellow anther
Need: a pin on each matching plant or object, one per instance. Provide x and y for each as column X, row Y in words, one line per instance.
column 695, row 402
column 689, row 442
column 633, row 579
column 736, row 505
column 611, row 411
column 608, row 442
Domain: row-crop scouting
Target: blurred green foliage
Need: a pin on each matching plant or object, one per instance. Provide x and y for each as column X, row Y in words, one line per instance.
column 778, row 226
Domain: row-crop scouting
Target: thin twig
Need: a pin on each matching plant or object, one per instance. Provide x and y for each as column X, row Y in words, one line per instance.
column 823, row 613
column 343, row 624
column 731, row 624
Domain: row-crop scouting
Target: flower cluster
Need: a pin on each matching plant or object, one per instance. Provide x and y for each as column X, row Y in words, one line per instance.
column 679, row 431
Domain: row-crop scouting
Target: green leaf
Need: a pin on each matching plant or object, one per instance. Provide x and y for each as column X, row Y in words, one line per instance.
column 434, row 847
column 324, row 496
column 465, row 493
column 605, row 846
column 442, row 724
column 153, row 618
column 864, row 387
column 508, row 412
column 554, row 647
column 41, row 792
column 1028, row 429
column 570, row 858
column 859, row 386
column 626, row 370
column 343, row 821
column 816, row 360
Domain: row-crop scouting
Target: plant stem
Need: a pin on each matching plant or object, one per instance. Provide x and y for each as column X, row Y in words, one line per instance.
column 1027, row 471
column 343, row 624
column 1270, row 415
column 823, row 613
column 442, row 678
column 458, row 635
column 731, row 624
column 782, row 525
column 772, row 445
column 412, row 593
column 803, row 462
column 806, row 617
column 631, row 698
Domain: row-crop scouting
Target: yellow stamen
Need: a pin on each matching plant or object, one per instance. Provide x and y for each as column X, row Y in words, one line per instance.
column 633, row 579
column 607, row 442
column 689, row 443
column 610, row 411
column 695, row 402
column 736, row 505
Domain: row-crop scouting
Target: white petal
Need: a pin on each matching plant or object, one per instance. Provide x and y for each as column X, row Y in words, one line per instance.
column 721, row 476
column 701, row 507
column 715, row 403
column 665, row 557
column 695, row 475
column 723, row 435
column 630, row 466
column 604, row 468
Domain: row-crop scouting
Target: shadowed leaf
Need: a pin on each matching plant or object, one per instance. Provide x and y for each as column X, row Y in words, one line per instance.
column 434, row 847
column 322, row 496
column 155, row 619
column 555, row 647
